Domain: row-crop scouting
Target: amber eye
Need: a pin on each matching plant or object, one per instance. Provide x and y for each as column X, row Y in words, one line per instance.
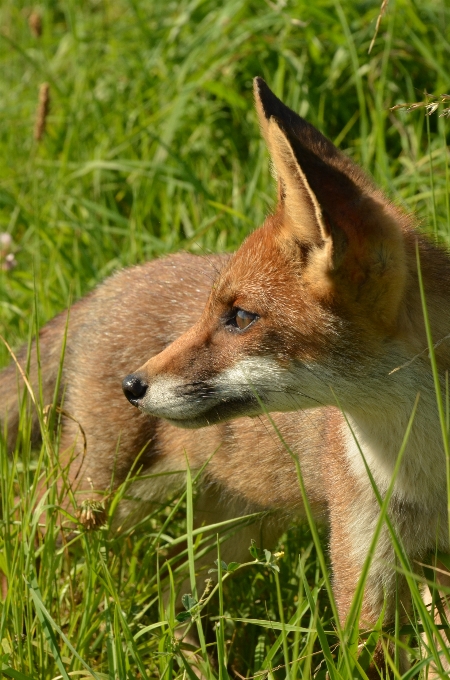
column 244, row 319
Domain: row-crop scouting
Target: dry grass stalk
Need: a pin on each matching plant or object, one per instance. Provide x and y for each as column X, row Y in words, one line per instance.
column 383, row 8
column 42, row 112
column 35, row 24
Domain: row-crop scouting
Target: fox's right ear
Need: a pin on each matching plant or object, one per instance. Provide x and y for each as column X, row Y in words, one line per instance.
column 314, row 178
column 300, row 203
column 328, row 203
column 294, row 191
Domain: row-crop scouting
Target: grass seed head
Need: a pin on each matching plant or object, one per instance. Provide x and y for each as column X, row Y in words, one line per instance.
column 92, row 514
column 430, row 105
column 35, row 24
column 42, row 111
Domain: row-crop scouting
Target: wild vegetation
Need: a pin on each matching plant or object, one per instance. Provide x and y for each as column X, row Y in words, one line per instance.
column 143, row 142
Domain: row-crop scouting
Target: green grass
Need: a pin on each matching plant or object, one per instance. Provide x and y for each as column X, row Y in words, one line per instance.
column 152, row 145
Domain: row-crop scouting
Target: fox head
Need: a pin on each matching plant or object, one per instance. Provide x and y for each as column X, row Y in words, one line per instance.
column 308, row 307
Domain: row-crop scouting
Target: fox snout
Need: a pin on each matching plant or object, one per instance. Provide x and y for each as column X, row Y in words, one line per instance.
column 134, row 388
column 169, row 397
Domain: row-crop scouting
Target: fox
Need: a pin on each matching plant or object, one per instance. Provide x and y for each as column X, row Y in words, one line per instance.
column 314, row 329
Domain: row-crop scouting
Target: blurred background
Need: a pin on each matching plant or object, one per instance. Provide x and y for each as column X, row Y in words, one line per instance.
column 145, row 141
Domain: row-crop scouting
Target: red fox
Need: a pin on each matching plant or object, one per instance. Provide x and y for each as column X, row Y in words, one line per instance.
column 308, row 321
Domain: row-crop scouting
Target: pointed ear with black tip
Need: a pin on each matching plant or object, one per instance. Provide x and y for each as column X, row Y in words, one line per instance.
column 314, row 176
column 327, row 201
column 304, row 209
column 269, row 106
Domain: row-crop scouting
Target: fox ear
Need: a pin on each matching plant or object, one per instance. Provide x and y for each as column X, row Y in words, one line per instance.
column 326, row 199
column 314, row 179
column 353, row 234
column 301, row 206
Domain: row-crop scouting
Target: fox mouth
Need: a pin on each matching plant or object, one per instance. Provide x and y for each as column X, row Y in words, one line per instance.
column 248, row 390
column 225, row 410
column 192, row 405
column 192, row 412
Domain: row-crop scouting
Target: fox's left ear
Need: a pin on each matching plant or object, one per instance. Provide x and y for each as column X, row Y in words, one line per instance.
column 327, row 201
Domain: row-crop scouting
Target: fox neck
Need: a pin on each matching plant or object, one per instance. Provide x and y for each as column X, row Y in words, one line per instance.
column 378, row 436
column 381, row 408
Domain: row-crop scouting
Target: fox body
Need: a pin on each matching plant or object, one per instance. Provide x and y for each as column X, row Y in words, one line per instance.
column 316, row 319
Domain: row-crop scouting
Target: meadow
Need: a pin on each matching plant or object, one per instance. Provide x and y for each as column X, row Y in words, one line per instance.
column 150, row 144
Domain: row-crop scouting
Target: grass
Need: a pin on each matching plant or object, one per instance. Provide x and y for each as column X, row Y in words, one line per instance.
column 151, row 145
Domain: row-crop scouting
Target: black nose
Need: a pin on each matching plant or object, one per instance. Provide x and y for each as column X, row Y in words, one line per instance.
column 134, row 388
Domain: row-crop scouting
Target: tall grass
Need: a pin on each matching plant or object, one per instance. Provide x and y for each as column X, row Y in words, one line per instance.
column 150, row 145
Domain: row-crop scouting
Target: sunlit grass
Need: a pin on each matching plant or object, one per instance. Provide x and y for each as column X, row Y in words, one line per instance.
column 151, row 145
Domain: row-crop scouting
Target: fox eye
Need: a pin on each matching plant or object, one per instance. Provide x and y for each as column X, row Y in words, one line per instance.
column 242, row 319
